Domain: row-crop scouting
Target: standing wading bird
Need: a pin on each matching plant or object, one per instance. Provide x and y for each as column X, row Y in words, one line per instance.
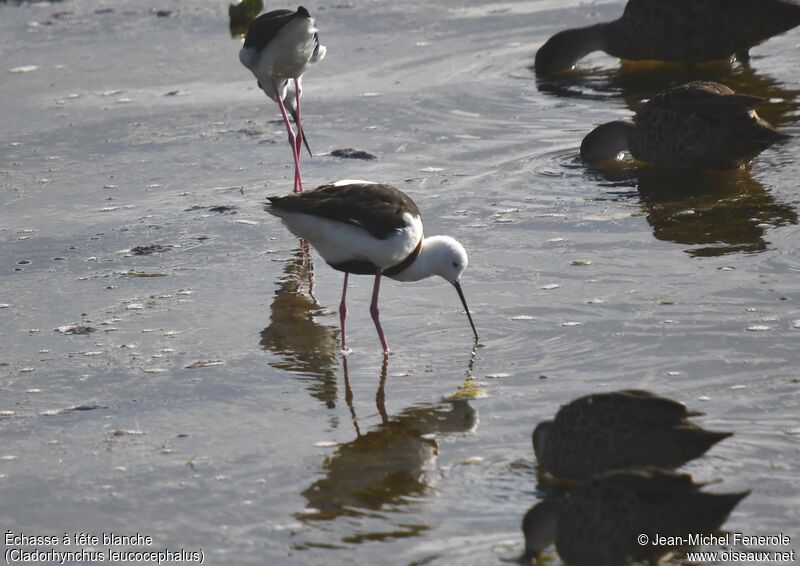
column 687, row 31
column 280, row 45
column 620, row 429
column 369, row 228
column 699, row 125
column 616, row 517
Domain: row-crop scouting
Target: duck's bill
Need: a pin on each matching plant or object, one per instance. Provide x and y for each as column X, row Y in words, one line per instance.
column 457, row 285
column 293, row 112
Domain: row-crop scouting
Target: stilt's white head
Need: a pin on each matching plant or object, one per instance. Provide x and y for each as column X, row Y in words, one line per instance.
column 446, row 257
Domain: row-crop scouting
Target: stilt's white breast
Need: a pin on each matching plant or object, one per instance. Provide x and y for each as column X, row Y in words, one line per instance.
column 339, row 242
column 248, row 56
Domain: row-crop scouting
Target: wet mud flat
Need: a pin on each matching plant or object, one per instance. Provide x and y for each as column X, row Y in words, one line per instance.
column 165, row 369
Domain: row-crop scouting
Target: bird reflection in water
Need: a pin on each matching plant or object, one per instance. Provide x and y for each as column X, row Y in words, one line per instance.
column 600, row 522
column 722, row 212
column 305, row 347
column 383, row 470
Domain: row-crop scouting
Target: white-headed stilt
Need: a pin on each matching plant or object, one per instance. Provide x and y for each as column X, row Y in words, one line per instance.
column 280, row 46
column 368, row 228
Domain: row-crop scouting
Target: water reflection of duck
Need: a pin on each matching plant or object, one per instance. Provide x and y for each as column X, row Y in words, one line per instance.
column 388, row 464
column 305, row 347
column 721, row 211
column 700, row 125
column 599, row 523
column 620, row 429
column 686, row 31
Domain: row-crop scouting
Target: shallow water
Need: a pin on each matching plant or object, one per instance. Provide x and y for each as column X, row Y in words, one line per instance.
column 210, row 407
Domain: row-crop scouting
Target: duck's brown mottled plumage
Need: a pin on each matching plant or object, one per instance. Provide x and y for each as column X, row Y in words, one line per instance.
column 689, row 31
column 694, row 31
column 597, row 523
column 699, row 125
column 620, row 429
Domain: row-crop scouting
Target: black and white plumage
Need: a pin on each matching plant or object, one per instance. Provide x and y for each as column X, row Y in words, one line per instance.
column 368, row 228
column 280, row 46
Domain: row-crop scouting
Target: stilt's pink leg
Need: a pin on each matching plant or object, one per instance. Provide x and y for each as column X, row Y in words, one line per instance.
column 299, row 138
column 297, row 92
column 373, row 309
column 298, row 183
column 343, row 312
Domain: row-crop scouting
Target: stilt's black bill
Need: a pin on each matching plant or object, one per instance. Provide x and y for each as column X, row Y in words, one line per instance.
column 293, row 112
column 457, row 285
